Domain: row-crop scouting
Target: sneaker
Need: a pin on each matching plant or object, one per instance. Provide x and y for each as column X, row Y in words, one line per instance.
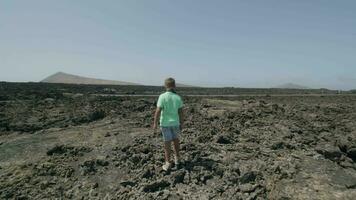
column 166, row 166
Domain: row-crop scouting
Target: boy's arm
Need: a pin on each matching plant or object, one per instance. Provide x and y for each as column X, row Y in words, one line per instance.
column 157, row 113
column 156, row 118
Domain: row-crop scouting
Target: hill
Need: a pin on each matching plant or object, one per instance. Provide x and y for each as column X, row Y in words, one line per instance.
column 292, row 86
column 61, row 77
column 184, row 85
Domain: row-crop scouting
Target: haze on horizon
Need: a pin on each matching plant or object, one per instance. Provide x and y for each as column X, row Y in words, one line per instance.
column 204, row 43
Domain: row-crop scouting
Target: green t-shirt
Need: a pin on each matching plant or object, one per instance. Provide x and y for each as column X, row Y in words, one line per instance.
column 170, row 103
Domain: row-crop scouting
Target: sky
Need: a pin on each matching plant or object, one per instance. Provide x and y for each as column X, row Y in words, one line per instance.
column 236, row 43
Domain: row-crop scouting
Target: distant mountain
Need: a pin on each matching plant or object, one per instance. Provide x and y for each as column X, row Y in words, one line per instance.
column 61, row 77
column 184, row 85
column 291, row 86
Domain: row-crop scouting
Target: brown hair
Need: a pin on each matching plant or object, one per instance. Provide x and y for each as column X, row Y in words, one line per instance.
column 170, row 83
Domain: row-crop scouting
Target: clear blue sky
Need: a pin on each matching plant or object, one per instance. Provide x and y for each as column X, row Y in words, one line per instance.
column 208, row 42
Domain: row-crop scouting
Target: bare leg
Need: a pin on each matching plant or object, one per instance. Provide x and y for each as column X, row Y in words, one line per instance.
column 176, row 147
column 167, row 151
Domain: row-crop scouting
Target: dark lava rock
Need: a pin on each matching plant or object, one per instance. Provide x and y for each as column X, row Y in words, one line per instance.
column 247, row 188
column 343, row 144
column 127, row 183
column 148, row 173
column 282, row 145
column 135, row 159
column 53, row 169
column 329, row 152
column 61, row 149
column 352, row 153
column 248, row 177
column 30, row 127
column 145, row 150
column 277, row 108
column 64, row 149
column 178, row 177
column 96, row 115
column 235, row 168
column 102, row 162
column 223, row 139
column 156, row 186
column 231, row 177
column 95, row 185
column 277, row 145
column 203, row 138
column 88, row 167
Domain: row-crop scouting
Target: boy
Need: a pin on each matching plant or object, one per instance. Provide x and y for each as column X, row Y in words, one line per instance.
column 170, row 115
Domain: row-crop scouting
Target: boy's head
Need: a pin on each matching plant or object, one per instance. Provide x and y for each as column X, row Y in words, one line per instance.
column 170, row 83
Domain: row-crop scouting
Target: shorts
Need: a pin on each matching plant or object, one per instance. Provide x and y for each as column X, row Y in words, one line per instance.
column 170, row 133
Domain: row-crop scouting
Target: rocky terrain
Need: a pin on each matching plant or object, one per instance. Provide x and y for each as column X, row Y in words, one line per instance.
column 60, row 142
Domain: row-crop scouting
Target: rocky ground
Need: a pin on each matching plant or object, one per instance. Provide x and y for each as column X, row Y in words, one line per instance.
column 81, row 146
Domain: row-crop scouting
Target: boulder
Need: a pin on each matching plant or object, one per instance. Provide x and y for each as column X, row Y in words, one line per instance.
column 248, row 177
column 156, row 186
column 329, row 152
column 351, row 153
